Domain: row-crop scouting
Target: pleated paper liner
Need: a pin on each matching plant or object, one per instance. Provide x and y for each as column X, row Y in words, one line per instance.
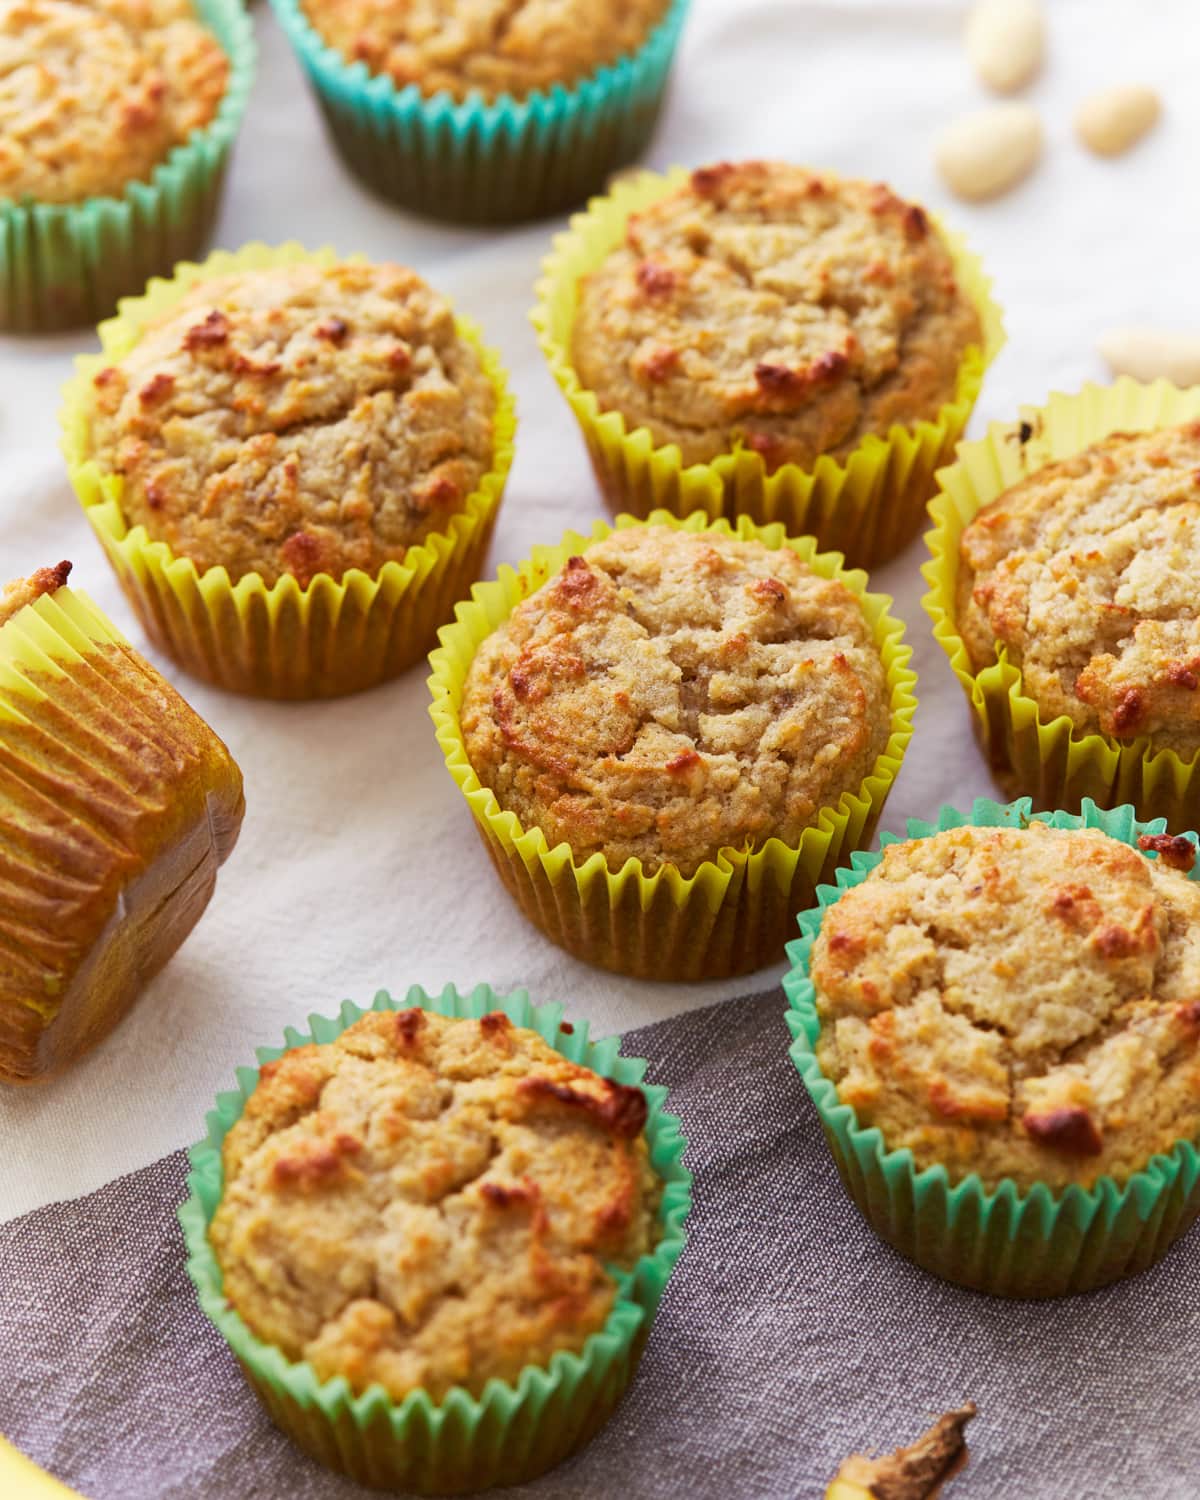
column 1051, row 761
column 735, row 914
column 511, row 1433
column 480, row 161
column 279, row 640
column 117, row 805
column 868, row 508
column 63, row 265
column 1012, row 1244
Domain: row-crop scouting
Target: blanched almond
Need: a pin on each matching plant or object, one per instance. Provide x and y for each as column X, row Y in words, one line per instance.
column 982, row 155
column 1114, row 119
column 1006, row 40
column 1151, row 353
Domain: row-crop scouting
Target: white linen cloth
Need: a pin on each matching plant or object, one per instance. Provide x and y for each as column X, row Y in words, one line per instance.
column 358, row 866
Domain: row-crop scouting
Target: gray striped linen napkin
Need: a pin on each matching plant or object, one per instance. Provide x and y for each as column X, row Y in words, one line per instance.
column 788, row 1338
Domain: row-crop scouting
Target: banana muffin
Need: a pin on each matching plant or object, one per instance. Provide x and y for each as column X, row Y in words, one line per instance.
column 1084, row 574
column 492, row 47
column 672, row 694
column 94, row 94
column 787, row 310
column 1018, row 1002
column 428, row 1203
column 118, row 804
column 302, row 419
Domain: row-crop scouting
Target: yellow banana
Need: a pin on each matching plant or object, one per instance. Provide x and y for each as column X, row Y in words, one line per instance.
column 21, row 1479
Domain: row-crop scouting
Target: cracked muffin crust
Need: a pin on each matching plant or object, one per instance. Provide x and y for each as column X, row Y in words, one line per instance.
column 1084, row 572
column 671, row 694
column 22, row 591
column 495, row 47
column 95, row 93
column 301, row 419
column 430, row 1203
column 792, row 311
column 1020, row 1003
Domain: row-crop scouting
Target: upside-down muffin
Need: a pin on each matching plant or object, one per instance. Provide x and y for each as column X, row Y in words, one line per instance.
column 492, row 47
column 763, row 304
column 302, row 419
column 94, row 94
column 118, row 804
column 671, row 694
column 1084, row 573
column 1018, row 1002
column 428, row 1203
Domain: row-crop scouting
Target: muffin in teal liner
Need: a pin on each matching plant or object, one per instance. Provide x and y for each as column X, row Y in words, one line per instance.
column 440, row 1438
column 1064, row 1105
column 66, row 263
column 488, row 158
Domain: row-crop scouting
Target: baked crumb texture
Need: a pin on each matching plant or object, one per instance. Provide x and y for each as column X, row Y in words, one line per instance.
column 1020, row 1003
column 671, row 694
column 765, row 304
column 1084, row 573
column 94, row 94
column 22, row 591
column 428, row 1203
column 494, row 47
column 297, row 420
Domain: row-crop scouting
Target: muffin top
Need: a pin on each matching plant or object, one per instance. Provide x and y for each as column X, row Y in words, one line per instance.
column 669, row 695
column 765, row 304
column 303, row 419
column 22, row 591
column 1018, row 1002
column 1085, row 573
column 95, row 93
column 493, row 47
column 431, row 1203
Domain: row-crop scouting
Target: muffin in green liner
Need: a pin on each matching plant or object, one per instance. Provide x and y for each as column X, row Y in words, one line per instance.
column 511, row 1433
column 67, row 264
column 481, row 160
column 1037, row 1243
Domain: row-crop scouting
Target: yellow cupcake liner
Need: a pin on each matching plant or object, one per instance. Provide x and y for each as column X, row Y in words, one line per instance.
column 735, row 913
column 1052, row 762
column 279, row 640
column 867, row 508
column 118, row 804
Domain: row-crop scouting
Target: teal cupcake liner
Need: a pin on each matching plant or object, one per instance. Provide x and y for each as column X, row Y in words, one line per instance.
column 511, row 1433
column 481, row 161
column 66, row 264
column 1008, row 1243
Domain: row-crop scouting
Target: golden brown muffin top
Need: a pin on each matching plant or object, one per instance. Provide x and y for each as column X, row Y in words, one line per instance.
column 669, row 695
column 95, row 93
column 495, row 47
column 792, row 311
column 431, row 1203
column 302, row 419
column 1085, row 572
column 1020, row 1003
column 22, row 591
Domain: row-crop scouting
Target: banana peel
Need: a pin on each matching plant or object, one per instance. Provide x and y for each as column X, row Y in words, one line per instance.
column 917, row 1472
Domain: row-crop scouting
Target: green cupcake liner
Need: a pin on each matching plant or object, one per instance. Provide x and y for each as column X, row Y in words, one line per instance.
column 510, row 1434
column 480, row 161
column 1008, row 1243
column 66, row 264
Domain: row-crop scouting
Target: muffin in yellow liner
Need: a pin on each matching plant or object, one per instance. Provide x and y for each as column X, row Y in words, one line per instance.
column 1052, row 762
column 118, row 804
column 735, row 913
column 868, row 508
column 280, row 640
